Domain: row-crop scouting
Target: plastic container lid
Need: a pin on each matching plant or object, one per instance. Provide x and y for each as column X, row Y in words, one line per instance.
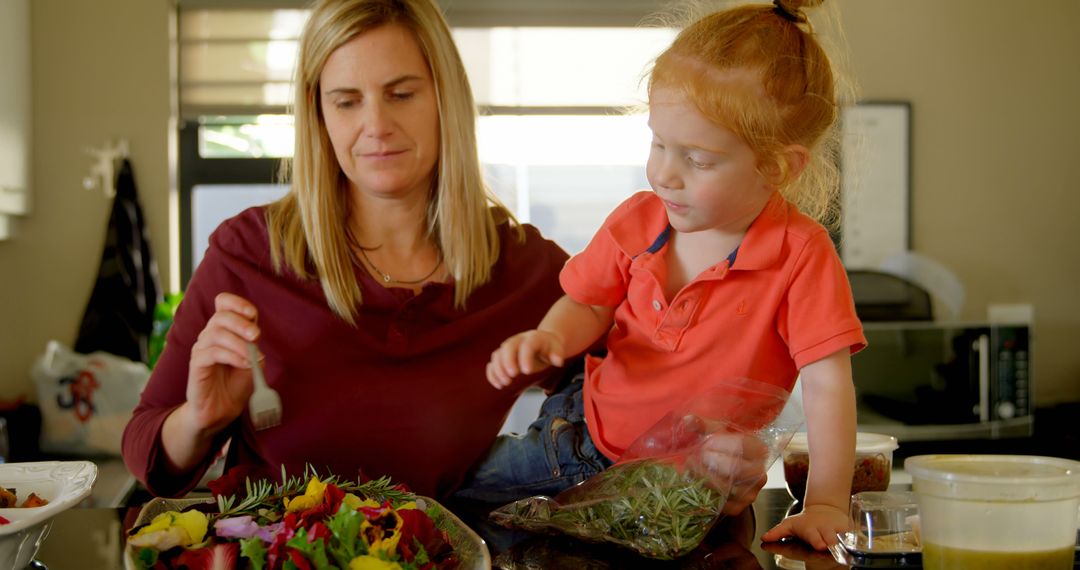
column 995, row 477
column 864, row 443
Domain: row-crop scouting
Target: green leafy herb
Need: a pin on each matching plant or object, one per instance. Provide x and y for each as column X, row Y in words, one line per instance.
column 254, row 551
column 422, row 557
column 315, row 550
column 147, row 558
column 263, row 495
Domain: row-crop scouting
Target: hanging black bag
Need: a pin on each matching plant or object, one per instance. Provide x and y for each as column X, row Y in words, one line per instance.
column 120, row 313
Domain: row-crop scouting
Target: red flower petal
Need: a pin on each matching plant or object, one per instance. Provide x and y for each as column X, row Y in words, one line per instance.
column 233, row 482
column 299, row 560
column 418, row 525
column 277, row 551
column 218, row 556
column 319, row 531
column 332, row 497
column 372, row 513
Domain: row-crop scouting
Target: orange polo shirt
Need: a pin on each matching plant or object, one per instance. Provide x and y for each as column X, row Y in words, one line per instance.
column 783, row 303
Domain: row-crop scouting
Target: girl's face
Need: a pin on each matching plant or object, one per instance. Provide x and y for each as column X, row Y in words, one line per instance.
column 706, row 175
column 378, row 100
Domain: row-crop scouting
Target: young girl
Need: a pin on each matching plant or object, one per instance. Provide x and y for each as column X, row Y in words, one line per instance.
column 718, row 272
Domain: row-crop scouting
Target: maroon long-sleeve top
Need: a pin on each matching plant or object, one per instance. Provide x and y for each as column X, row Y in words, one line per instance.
column 402, row 393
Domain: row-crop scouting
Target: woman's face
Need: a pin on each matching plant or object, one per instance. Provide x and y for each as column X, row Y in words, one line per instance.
column 378, row 100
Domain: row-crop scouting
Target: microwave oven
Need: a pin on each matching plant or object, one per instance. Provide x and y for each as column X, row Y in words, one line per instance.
column 924, row 380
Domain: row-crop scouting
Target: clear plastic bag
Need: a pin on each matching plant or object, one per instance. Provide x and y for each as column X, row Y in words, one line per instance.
column 669, row 488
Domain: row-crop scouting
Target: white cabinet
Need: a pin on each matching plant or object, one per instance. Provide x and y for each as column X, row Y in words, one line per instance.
column 14, row 111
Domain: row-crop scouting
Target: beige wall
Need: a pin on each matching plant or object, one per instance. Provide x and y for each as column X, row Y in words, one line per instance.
column 99, row 72
column 993, row 85
column 994, row 88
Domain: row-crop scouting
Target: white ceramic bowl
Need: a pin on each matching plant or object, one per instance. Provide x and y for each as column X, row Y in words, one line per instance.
column 62, row 483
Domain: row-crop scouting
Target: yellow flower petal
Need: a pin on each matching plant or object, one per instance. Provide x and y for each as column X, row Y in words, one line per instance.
column 162, row 539
column 372, row 563
column 311, row 497
column 354, row 502
column 378, row 537
column 315, row 489
column 195, row 523
column 300, row 503
column 160, row 522
column 171, row 527
column 407, row 506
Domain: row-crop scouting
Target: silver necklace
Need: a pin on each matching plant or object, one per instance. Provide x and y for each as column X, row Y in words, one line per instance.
column 388, row 279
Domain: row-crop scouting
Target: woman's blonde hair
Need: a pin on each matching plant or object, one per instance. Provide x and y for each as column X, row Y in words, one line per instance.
column 760, row 71
column 308, row 226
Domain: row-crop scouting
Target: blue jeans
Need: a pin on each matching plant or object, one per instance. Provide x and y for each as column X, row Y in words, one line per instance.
column 555, row 453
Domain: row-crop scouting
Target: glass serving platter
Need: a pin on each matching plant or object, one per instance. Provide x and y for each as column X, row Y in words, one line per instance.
column 471, row 550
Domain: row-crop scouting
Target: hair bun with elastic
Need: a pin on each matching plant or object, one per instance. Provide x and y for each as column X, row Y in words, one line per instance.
column 792, row 10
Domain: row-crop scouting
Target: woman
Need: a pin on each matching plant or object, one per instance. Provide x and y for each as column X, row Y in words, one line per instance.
column 375, row 290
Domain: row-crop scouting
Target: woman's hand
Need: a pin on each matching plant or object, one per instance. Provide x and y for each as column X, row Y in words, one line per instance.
column 817, row 525
column 219, row 382
column 524, row 353
column 219, row 375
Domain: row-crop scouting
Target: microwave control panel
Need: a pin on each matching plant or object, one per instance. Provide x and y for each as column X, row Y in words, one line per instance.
column 1011, row 389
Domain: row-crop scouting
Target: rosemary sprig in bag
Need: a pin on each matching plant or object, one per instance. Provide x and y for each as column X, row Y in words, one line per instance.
column 649, row 506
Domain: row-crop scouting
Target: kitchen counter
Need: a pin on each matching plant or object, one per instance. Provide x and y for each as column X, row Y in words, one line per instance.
column 735, row 542
column 93, row 539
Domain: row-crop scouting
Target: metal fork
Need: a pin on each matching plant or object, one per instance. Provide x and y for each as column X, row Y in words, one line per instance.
column 265, row 403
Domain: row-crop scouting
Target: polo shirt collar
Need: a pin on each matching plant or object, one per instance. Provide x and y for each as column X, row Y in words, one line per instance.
column 635, row 232
column 637, row 227
column 765, row 237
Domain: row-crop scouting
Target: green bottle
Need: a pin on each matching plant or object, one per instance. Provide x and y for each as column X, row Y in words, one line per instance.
column 163, row 318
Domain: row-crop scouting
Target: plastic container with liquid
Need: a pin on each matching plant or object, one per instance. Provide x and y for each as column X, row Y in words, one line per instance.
column 996, row 511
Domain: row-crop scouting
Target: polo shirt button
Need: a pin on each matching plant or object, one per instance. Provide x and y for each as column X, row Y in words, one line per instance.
column 656, row 304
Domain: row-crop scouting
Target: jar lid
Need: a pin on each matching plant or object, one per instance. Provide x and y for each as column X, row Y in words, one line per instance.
column 864, row 443
column 995, row 477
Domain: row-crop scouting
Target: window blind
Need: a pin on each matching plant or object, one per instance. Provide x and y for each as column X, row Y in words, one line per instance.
column 235, row 61
column 236, row 57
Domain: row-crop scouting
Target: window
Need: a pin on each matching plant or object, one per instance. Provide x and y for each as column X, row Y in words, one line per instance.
column 555, row 138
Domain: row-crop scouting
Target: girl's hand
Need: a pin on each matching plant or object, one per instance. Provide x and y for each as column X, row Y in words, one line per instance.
column 736, row 462
column 524, row 353
column 817, row 525
column 219, row 374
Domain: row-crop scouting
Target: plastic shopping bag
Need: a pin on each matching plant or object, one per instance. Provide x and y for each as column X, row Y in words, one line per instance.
column 85, row 399
column 668, row 489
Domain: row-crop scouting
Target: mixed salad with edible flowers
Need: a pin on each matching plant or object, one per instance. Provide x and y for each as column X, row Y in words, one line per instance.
column 307, row 523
